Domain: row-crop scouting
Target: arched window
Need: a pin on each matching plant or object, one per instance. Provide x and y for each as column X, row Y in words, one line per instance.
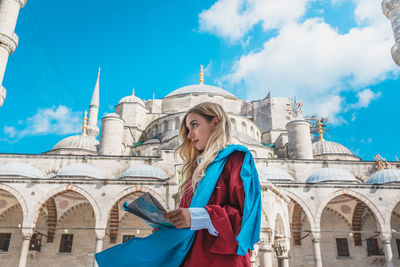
column 244, row 127
column 156, row 129
column 165, row 126
column 233, row 122
column 177, row 123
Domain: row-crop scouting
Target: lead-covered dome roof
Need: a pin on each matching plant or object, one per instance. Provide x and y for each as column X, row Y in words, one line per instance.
column 331, row 175
column 273, row 174
column 200, row 89
column 20, row 169
column 144, row 171
column 329, row 147
column 385, row 176
column 78, row 142
column 81, row 170
column 131, row 99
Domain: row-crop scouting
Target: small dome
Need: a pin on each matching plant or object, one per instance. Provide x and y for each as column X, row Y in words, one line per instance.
column 81, row 169
column 131, row 99
column 273, row 174
column 385, row 176
column 202, row 89
column 331, row 175
column 81, row 142
column 20, row 169
column 328, row 147
column 144, row 171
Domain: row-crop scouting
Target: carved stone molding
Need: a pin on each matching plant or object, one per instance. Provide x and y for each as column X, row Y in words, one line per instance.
column 10, row 43
column 3, row 94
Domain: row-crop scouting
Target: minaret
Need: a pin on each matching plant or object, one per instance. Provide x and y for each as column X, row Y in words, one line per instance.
column 84, row 127
column 320, row 131
column 93, row 130
column 391, row 9
column 9, row 10
column 201, row 75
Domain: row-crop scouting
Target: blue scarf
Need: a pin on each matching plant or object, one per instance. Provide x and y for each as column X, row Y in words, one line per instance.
column 168, row 247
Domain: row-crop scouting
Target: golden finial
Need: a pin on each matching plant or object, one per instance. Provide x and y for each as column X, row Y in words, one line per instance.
column 201, row 74
column 84, row 127
column 320, row 131
column 154, row 94
column 133, row 91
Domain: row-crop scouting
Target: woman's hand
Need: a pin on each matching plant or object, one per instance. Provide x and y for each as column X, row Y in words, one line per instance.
column 180, row 218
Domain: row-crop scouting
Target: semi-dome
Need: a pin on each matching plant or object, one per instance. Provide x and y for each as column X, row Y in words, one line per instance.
column 329, row 147
column 200, row 89
column 331, row 175
column 144, row 171
column 385, row 176
column 81, row 170
column 20, row 169
column 273, row 174
column 77, row 142
column 131, row 99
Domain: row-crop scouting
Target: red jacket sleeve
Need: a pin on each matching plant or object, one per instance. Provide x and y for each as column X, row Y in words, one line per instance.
column 226, row 206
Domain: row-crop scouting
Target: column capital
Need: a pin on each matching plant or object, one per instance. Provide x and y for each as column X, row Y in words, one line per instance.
column 281, row 246
column 316, row 236
column 100, row 233
column 386, row 237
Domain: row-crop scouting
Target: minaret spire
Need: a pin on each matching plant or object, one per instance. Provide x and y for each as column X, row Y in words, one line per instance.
column 201, row 74
column 84, row 127
column 320, row 131
column 93, row 130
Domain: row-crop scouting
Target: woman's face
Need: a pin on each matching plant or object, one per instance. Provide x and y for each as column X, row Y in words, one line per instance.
column 200, row 129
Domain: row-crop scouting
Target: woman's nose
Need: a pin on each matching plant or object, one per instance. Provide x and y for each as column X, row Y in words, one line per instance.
column 190, row 134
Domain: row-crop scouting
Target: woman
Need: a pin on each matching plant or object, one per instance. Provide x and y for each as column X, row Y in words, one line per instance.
column 218, row 221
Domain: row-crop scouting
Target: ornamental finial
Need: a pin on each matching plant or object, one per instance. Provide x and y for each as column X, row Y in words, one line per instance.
column 84, row 127
column 201, row 74
column 320, row 131
column 133, row 91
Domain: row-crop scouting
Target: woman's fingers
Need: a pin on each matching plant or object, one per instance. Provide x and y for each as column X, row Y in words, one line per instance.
column 180, row 218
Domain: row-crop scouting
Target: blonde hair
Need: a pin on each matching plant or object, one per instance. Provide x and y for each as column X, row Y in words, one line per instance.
column 194, row 163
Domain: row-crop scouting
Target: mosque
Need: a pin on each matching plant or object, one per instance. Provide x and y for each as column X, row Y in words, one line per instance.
column 321, row 204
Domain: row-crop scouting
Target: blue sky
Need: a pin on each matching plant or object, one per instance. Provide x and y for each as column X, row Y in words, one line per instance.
column 334, row 55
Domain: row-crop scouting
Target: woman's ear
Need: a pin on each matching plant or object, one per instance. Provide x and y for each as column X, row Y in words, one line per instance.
column 215, row 121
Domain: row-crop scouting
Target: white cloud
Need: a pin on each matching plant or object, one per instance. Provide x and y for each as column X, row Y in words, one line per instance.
column 59, row 120
column 364, row 98
column 232, row 19
column 309, row 59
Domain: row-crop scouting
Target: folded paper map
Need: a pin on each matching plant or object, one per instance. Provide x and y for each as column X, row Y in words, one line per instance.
column 150, row 210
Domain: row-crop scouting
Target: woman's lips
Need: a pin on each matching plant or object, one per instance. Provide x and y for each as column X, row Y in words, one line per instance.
column 195, row 142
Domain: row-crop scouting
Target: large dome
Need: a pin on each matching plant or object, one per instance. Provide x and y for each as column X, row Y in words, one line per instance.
column 328, row 147
column 201, row 89
column 20, row 169
column 385, row 176
column 331, row 175
column 77, row 142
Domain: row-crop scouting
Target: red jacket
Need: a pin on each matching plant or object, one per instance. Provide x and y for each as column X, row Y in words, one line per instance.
column 226, row 209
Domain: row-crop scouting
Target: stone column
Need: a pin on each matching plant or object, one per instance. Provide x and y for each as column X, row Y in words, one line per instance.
column 316, row 249
column 281, row 246
column 100, row 233
column 9, row 10
column 26, row 239
column 387, row 246
column 265, row 250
